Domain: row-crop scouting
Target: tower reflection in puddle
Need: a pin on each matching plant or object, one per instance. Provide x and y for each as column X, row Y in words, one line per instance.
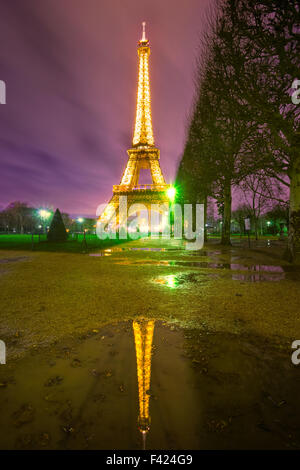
column 143, row 337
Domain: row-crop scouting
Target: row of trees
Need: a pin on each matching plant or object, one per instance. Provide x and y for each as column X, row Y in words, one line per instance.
column 274, row 221
column 19, row 217
column 265, row 219
column 244, row 128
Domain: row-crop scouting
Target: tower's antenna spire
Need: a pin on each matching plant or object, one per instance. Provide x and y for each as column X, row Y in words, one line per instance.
column 144, row 31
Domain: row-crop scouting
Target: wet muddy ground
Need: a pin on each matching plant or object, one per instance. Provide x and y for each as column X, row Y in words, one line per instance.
column 221, row 371
column 207, row 391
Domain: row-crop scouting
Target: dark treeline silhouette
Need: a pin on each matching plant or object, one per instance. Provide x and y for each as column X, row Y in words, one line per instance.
column 20, row 217
column 243, row 130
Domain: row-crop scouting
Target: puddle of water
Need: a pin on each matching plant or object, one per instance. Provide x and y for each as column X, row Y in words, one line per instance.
column 258, row 277
column 146, row 249
column 145, row 262
column 101, row 253
column 174, row 281
column 109, row 251
column 208, row 265
column 258, row 267
column 205, row 253
column 233, row 266
column 251, row 273
column 171, row 281
column 143, row 384
column 103, row 394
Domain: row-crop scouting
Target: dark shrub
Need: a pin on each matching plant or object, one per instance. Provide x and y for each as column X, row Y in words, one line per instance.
column 57, row 231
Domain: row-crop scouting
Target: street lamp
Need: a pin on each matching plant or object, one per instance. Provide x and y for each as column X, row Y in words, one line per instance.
column 44, row 215
column 80, row 221
column 171, row 193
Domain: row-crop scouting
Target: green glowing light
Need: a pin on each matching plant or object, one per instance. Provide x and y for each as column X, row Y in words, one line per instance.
column 171, row 281
column 80, row 220
column 44, row 214
column 171, row 193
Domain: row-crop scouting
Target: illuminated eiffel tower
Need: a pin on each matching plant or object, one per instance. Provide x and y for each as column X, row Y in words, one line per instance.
column 143, row 336
column 143, row 154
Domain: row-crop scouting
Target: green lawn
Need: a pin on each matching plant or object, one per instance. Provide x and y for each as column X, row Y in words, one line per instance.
column 73, row 245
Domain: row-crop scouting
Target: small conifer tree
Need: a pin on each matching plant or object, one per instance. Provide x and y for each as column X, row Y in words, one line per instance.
column 57, row 231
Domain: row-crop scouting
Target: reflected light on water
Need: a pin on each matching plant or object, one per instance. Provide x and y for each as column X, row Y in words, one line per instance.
column 143, row 337
column 168, row 281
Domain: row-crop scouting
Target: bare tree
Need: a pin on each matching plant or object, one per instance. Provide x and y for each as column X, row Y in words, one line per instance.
column 260, row 192
column 263, row 38
column 20, row 216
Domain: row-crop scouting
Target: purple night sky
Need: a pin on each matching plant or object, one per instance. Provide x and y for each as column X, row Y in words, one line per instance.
column 70, row 68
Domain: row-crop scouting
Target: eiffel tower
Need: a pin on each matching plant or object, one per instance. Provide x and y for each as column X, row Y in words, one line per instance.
column 143, row 154
column 143, row 337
